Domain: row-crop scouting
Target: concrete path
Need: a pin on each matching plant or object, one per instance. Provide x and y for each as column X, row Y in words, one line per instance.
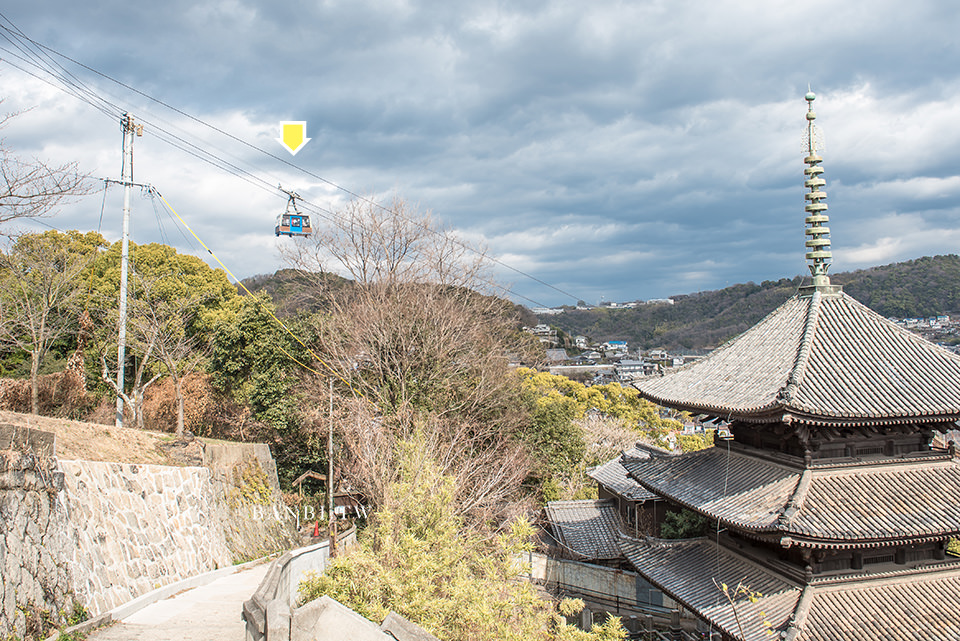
column 207, row 613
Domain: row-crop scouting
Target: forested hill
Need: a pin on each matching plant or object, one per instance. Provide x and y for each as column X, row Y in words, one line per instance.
column 294, row 291
column 923, row 287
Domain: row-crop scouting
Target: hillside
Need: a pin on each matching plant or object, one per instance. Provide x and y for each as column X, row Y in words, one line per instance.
column 922, row 287
column 294, row 291
column 97, row 442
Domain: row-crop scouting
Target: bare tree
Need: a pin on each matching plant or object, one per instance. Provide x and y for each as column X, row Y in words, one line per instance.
column 34, row 189
column 395, row 243
column 179, row 352
column 488, row 465
column 416, row 330
column 143, row 345
column 417, row 340
column 39, row 291
column 160, row 340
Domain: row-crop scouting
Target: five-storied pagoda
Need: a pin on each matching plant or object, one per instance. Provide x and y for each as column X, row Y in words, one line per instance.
column 830, row 503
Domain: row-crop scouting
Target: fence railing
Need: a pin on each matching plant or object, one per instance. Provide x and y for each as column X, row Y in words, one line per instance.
column 268, row 612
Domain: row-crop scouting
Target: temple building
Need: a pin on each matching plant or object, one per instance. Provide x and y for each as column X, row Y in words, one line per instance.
column 831, row 508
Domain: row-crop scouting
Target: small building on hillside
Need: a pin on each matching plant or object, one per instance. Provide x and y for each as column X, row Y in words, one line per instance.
column 556, row 356
column 628, row 369
column 586, row 530
column 544, row 333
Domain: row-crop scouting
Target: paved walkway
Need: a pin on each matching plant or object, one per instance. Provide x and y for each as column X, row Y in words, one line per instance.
column 210, row 612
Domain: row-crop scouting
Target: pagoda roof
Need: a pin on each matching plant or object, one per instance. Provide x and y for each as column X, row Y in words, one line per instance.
column 821, row 358
column 692, row 572
column 853, row 505
column 915, row 604
column 613, row 476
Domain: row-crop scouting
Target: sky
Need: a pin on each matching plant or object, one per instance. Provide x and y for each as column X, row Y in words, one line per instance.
column 611, row 151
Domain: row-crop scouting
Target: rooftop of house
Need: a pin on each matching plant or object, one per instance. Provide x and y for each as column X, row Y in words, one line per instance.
column 613, row 476
column 590, row 528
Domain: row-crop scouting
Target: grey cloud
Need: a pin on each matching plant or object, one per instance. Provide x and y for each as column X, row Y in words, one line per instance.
column 677, row 124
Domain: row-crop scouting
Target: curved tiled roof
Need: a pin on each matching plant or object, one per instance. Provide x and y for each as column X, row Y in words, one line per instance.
column 589, row 528
column 740, row 490
column 686, row 570
column 819, row 507
column 920, row 605
column 880, row 502
column 613, row 476
column 819, row 358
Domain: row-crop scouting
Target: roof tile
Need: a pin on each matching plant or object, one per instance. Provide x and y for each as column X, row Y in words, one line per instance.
column 588, row 528
column 850, row 363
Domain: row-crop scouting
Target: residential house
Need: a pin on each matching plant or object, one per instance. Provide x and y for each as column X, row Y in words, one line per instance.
column 628, row 369
column 544, row 333
column 556, row 356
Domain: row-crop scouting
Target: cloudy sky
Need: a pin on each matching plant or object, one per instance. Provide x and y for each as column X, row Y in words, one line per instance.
column 614, row 150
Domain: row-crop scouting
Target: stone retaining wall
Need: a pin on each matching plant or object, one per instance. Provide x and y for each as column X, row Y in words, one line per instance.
column 100, row 534
column 34, row 578
column 139, row 527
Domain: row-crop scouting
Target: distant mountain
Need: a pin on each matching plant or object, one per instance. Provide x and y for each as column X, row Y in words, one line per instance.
column 294, row 291
column 916, row 288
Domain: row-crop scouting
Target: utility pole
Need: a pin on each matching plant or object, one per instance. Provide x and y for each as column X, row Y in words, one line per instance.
column 332, row 524
column 129, row 130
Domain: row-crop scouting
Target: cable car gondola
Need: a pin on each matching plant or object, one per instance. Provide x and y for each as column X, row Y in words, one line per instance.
column 291, row 222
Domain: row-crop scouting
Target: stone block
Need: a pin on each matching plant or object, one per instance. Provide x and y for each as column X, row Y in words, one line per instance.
column 27, row 439
column 405, row 630
column 327, row 620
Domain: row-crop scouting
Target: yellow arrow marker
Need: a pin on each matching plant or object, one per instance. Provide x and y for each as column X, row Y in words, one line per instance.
column 293, row 135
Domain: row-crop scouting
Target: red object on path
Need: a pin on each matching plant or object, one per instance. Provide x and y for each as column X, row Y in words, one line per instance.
column 316, row 528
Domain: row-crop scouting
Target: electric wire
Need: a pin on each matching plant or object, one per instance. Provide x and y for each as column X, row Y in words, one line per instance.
column 156, row 213
column 269, row 154
column 65, row 74
column 46, row 81
column 239, row 172
column 103, row 204
column 323, row 213
column 41, row 69
column 279, row 322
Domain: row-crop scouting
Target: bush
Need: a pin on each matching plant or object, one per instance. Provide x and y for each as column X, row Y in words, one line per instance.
column 418, row 560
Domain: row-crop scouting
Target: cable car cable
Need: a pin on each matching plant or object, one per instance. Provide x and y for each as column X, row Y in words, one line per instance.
column 271, row 314
column 291, row 164
column 265, row 152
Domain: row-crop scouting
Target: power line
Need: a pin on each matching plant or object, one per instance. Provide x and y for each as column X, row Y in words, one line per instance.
column 78, row 89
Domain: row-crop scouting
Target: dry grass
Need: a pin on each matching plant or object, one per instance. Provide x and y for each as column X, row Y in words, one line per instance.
column 96, row 442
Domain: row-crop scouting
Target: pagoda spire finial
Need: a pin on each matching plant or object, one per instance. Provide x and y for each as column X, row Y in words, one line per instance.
column 818, row 234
